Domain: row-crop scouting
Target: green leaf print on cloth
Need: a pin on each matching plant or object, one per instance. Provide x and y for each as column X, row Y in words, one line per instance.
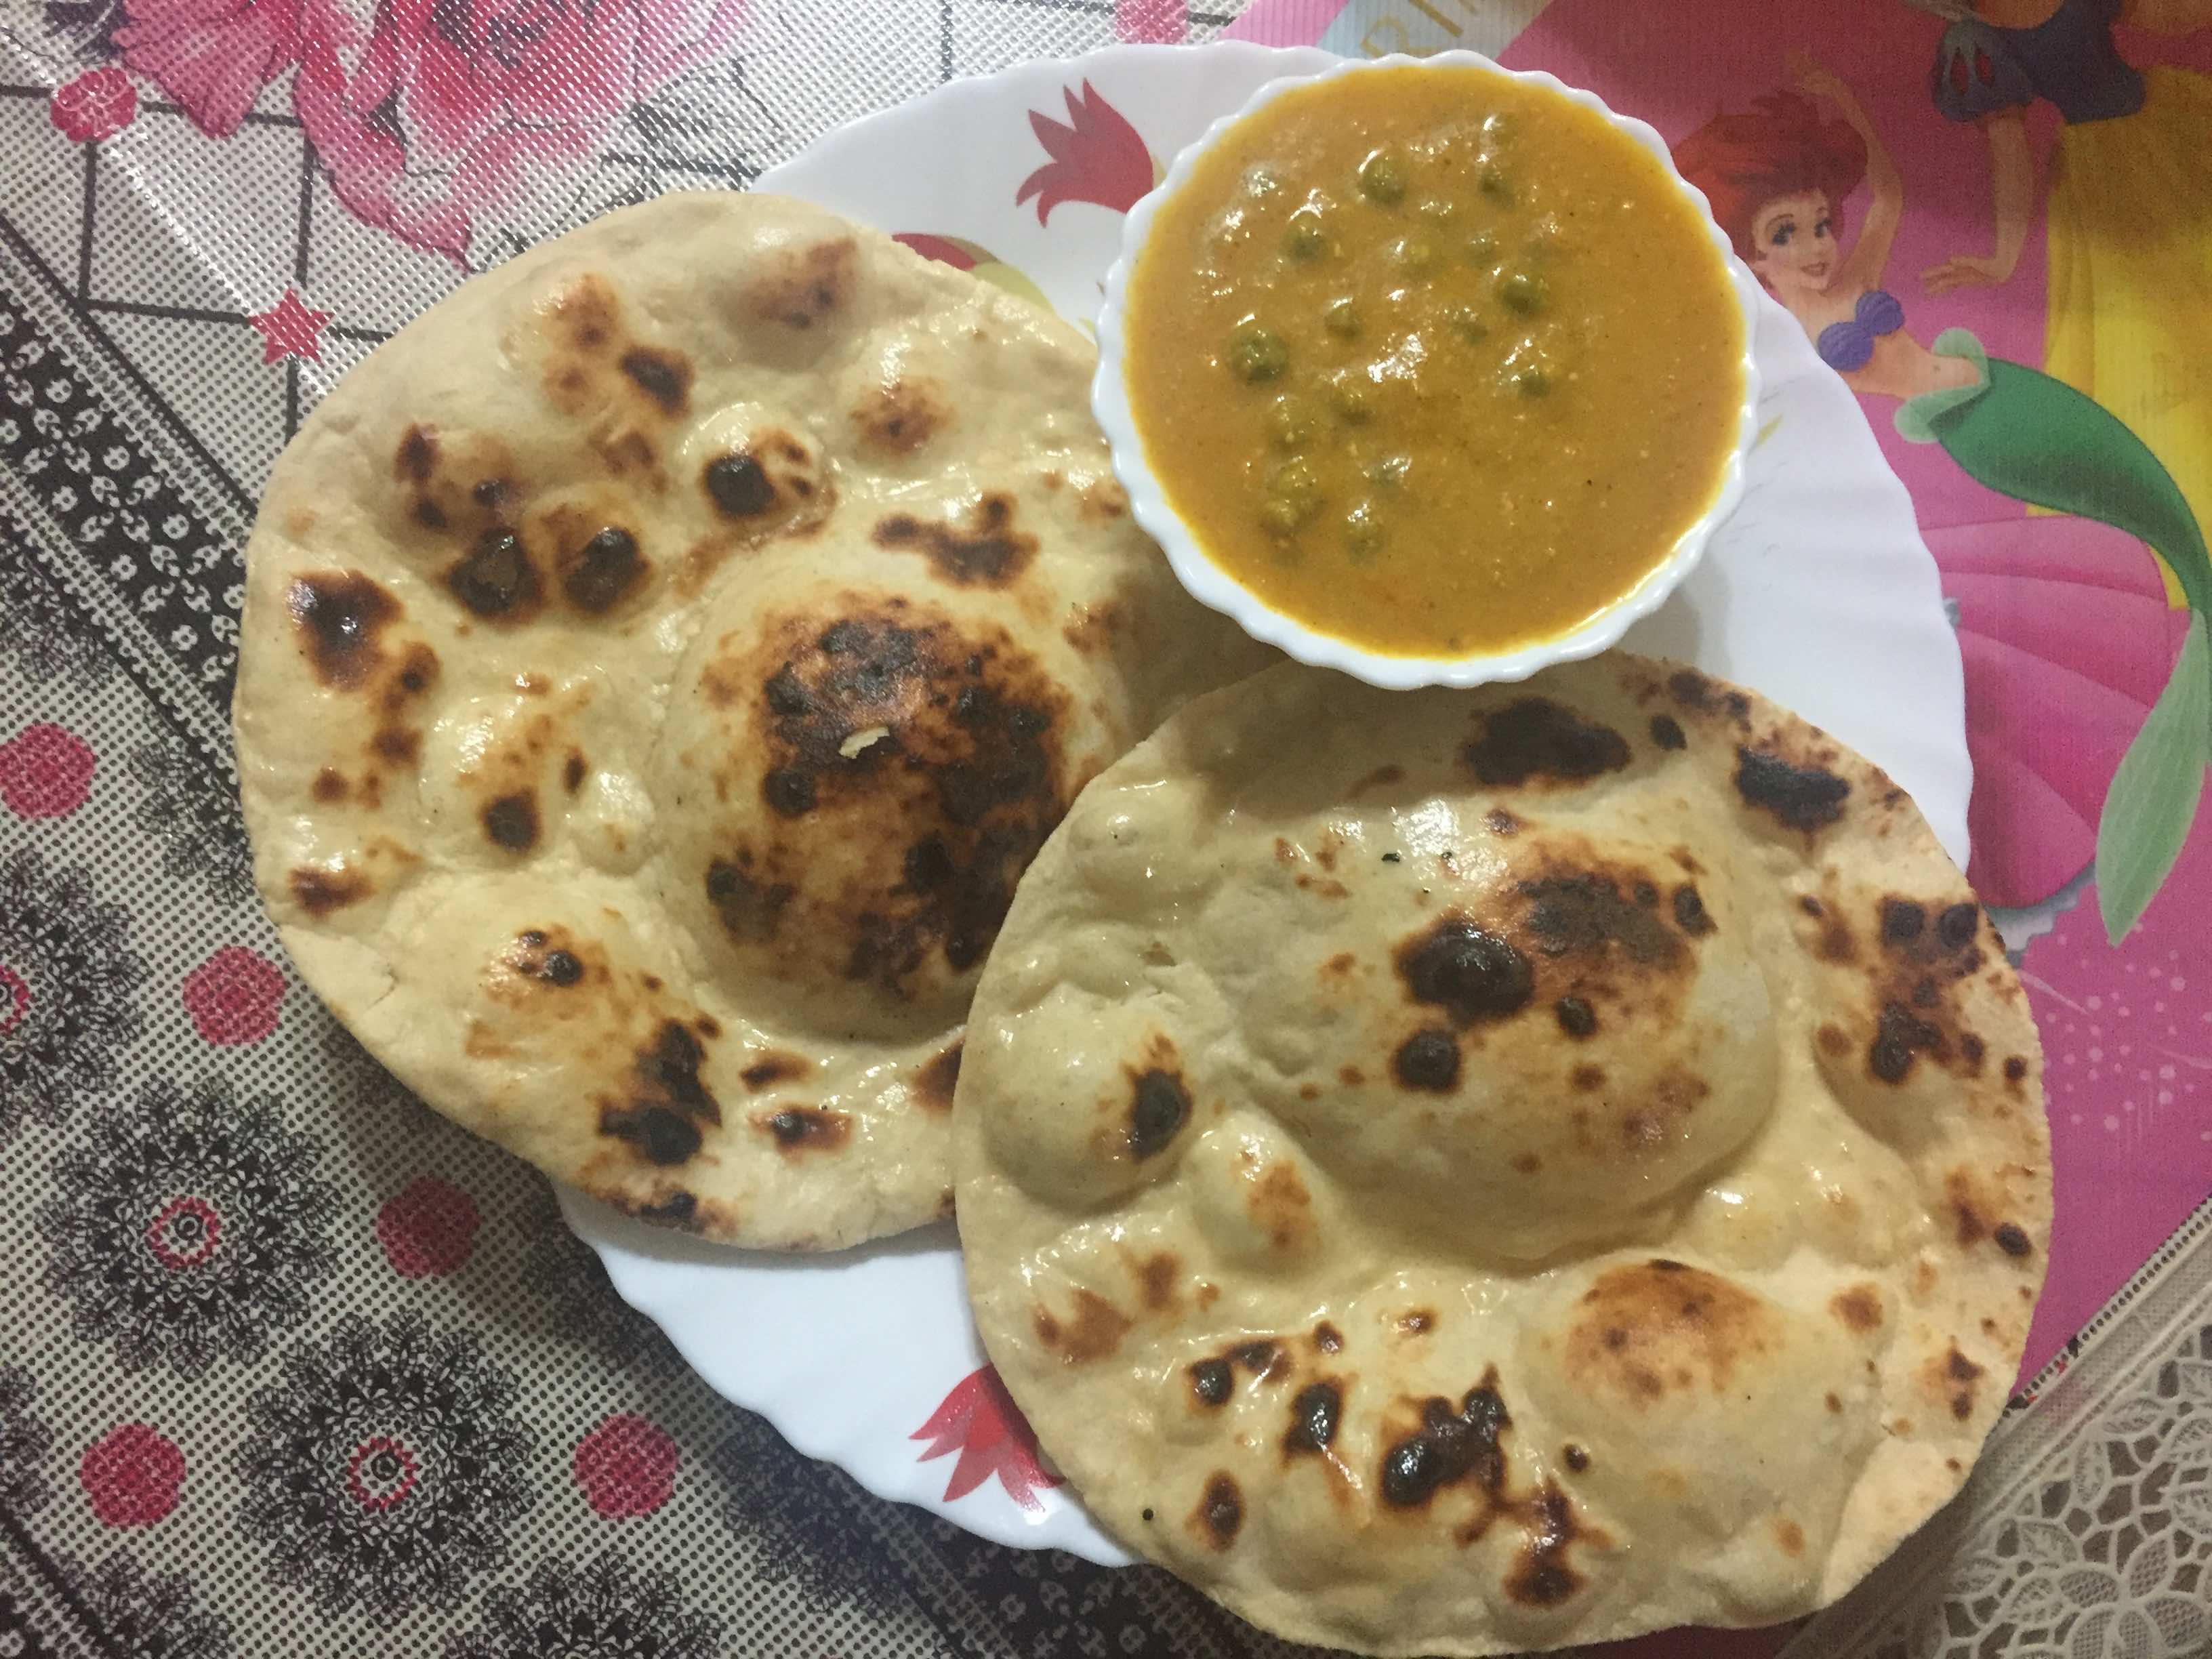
column 2155, row 788
column 2038, row 440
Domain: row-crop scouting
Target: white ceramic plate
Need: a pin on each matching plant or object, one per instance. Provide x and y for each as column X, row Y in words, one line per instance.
column 1818, row 593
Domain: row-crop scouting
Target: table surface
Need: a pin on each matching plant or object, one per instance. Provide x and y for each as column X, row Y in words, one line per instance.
column 288, row 1363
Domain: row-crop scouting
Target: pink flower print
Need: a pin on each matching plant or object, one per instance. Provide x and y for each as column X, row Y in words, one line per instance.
column 1097, row 156
column 626, row 1467
column 428, row 1228
column 380, row 1473
column 437, row 114
column 46, row 772
column 132, row 1475
column 235, row 997
column 98, row 104
column 1163, row 23
column 978, row 1420
column 430, row 117
column 14, row 998
column 212, row 57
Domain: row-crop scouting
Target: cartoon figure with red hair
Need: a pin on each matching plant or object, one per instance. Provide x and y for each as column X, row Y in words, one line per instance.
column 1777, row 175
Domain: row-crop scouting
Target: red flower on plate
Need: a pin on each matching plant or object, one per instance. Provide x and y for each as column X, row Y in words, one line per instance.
column 132, row 1474
column 979, row 1421
column 963, row 255
column 1097, row 157
column 98, row 104
column 234, row 997
column 46, row 772
column 427, row 1228
column 626, row 1467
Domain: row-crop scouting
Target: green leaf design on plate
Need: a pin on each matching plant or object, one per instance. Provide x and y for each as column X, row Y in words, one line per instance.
column 2154, row 792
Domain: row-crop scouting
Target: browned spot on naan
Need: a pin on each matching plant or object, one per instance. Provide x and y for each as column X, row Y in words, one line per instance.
column 1159, row 1106
column 1804, row 796
column 321, row 889
column 662, row 1119
column 1640, row 1328
column 1093, row 1331
column 1693, row 691
column 1952, row 1377
column 939, row 1078
column 497, row 580
column 1542, row 1575
column 1858, row 1309
column 339, row 616
column 902, row 415
column 511, row 822
column 1534, row 739
column 803, row 1129
column 1315, row 1410
column 1156, row 1275
column 931, row 753
column 663, row 376
column 1280, row 1206
column 775, row 1066
column 1470, row 972
column 1220, row 1511
column 803, row 287
column 986, row 551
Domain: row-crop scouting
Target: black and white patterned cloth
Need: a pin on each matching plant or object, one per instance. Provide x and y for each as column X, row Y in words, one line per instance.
column 287, row 1364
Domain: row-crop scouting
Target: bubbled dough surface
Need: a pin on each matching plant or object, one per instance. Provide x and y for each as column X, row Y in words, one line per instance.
column 1751, row 1291
column 923, row 537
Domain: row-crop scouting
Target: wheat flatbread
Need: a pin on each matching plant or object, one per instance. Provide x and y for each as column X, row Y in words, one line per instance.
column 659, row 661
column 1461, row 1172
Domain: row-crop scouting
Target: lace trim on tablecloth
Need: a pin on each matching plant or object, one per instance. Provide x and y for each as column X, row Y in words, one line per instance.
column 2087, row 1529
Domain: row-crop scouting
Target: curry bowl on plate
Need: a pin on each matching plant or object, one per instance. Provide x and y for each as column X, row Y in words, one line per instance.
column 1428, row 370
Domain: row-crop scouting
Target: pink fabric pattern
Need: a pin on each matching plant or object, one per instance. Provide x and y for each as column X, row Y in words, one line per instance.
column 625, row 1466
column 428, row 115
column 428, row 1228
column 2067, row 640
column 1156, row 22
column 46, row 772
column 132, row 1474
column 98, row 104
column 290, row 329
column 234, row 998
column 2127, row 1051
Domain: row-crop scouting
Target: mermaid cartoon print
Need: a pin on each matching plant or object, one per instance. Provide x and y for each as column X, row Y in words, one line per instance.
column 2128, row 202
column 2106, row 780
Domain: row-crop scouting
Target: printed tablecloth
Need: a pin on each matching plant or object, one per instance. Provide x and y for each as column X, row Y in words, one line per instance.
column 288, row 1364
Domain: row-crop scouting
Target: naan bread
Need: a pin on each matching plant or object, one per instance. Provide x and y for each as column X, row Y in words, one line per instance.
column 660, row 662
column 1453, row 1173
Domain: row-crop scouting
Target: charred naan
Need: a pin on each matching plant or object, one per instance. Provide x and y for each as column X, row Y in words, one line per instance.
column 660, row 661
column 1455, row 1173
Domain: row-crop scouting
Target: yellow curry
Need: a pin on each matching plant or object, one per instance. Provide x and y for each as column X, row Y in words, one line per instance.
column 1433, row 361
